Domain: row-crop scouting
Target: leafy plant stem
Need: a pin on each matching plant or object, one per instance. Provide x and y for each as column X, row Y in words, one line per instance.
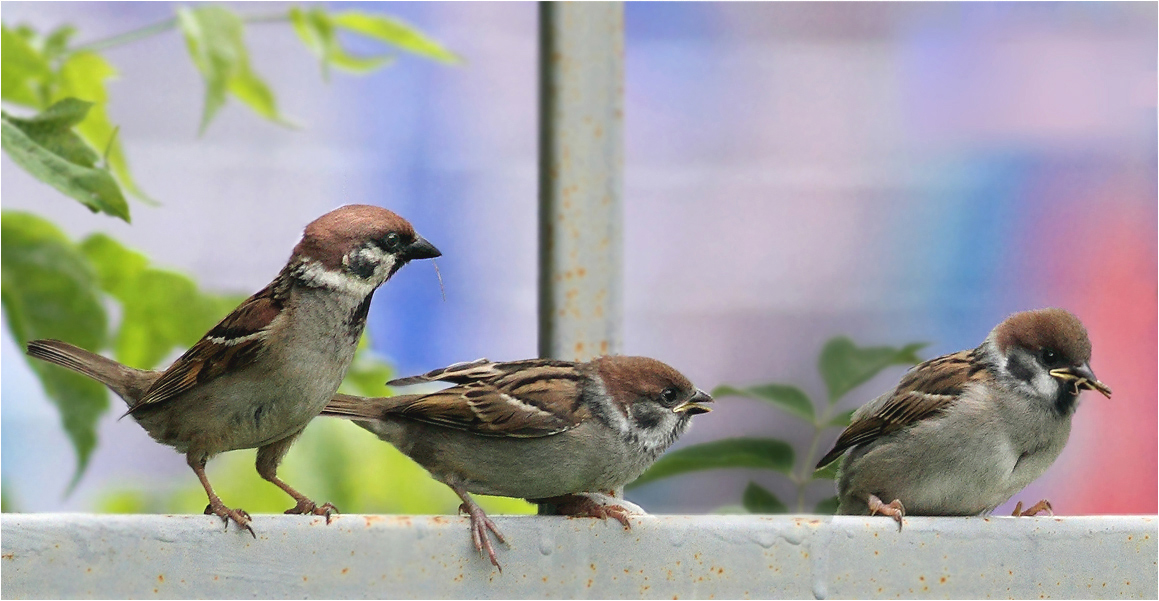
column 804, row 475
column 159, row 28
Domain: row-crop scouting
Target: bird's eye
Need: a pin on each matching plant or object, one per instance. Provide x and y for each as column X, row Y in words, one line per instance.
column 390, row 242
column 669, row 395
column 1050, row 357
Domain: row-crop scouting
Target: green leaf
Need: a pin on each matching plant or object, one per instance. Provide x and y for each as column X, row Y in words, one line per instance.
column 161, row 310
column 23, row 70
column 56, row 42
column 394, row 32
column 828, row 472
column 765, row 453
column 827, row 506
column 83, row 76
column 841, row 420
column 789, row 398
column 50, row 291
column 316, row 29
column 215, row 37
column 757, row 499
column 845, row 366
column 47, row 147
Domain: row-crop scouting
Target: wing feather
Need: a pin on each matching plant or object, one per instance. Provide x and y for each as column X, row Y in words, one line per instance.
column 233, row 343
column 924, row 392
column 519, row 399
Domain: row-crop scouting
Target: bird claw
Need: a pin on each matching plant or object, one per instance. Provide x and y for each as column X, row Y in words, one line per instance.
column 480, row 524
column 1033, row 510
column 893, row 509
column 239, row 516
column 306, row 506
column 583, row 506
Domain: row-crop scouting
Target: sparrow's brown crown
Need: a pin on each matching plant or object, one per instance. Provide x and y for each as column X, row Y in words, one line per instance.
column 631, row 378
column 1054, row 329
column 330, row 237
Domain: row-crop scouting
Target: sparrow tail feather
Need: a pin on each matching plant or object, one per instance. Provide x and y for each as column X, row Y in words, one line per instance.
column 127, row 382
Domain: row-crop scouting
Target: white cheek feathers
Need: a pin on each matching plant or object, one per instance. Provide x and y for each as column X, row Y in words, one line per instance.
column 315, row 275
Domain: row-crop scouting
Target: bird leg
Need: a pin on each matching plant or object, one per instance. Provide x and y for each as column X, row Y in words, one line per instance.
column 216, row 507
column 581, row 505
column 267, row 462
column 480, row 524
column 1033, row 510
column 894, row 509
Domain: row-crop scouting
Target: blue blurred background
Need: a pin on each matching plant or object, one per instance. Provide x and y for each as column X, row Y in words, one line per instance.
column 895, row 172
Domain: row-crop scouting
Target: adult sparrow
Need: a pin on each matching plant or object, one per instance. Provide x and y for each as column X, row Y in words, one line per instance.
column 258, row 377
column 962, row 433
column 544, row 430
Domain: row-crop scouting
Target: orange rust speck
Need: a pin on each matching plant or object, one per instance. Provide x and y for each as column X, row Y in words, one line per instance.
column 589, row 583
column 89, row 570
column 215, row 577
column 593, row 566
column 304, row 579
column 345, row 570
column 155, row 590
column 943, row 579
column 9, row 556
column 160, row 578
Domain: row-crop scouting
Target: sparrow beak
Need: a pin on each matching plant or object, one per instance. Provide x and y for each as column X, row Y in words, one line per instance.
column 420, row 249
column 1081, row 377
column 692, row 406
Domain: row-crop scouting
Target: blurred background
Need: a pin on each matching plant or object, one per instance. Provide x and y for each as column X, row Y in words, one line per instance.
column 893, row 172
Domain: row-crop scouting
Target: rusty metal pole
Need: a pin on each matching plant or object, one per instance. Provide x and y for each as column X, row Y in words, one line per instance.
column 581, row 160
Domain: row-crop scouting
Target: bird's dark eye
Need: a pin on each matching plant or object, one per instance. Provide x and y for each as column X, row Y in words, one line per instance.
column 1050, row 358
column 390, row 242
column 669, row 395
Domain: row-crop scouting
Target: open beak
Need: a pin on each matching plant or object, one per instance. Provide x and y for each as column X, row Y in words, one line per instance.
column 1081, row 377
column 693, row 405
column 420, row 249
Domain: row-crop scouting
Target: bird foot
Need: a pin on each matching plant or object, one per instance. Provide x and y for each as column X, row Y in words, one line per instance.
column 480, row 524
column 306, row 506
column 580, row 505
column 1037, row 508
column 239, row 516
column 893, row 509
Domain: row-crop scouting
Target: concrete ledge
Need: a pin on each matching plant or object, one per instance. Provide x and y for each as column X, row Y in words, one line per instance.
column 365, row 556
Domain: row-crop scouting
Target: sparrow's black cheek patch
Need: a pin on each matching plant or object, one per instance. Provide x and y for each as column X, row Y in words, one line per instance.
column 1020, row 369
column 646, row 417
column 361, row 266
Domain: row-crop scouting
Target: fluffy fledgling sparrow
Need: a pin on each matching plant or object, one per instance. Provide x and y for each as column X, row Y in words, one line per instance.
column 962, row 433
column 540, row 429
column 261, row 374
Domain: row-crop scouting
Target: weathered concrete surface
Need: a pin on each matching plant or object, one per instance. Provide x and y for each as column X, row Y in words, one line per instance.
column 363, row 556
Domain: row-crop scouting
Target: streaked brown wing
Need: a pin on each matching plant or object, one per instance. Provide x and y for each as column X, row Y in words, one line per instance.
column 924, row 391
column 479, row 370
column 233, row 343
column 535, row 401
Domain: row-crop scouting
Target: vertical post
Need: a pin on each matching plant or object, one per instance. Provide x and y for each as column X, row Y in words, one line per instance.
column 581, row 157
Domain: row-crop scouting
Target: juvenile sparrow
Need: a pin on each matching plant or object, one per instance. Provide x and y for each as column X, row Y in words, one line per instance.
column 540, row 429
column 962, row 433
column 258, row 377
